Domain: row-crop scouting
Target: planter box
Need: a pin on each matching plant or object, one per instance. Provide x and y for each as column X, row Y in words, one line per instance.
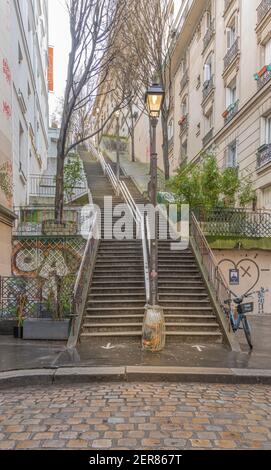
column 6, row 327
column 46, row 329
column 50, row 228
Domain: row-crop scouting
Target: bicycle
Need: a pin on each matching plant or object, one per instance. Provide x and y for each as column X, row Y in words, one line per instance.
column 242, row 311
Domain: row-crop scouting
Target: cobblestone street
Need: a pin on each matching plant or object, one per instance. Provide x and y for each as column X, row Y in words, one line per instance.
column 136, row 416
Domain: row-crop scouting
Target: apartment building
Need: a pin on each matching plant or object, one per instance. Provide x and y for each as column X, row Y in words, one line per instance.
column 29, row 63
column 23, row 108
column 6, row 215
column 221, row 90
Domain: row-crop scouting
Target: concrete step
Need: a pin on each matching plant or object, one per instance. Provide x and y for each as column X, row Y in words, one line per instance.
column 191, row 327
column 183, row 297
column 112, row 327
column 179, row 319
column 187, row 310
column 133, row 310
column 117, row 296
column 114, row 318
column 111, row 334
column 194, row 337
column 117, row 290
column 99, row 304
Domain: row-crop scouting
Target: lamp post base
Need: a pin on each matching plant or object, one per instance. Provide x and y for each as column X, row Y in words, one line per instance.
column 154, row 329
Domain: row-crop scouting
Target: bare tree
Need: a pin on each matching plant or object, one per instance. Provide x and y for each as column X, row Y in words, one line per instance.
column 94, row 25
column 150, row 37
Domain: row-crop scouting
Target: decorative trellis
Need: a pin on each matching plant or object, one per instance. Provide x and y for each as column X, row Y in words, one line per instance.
column 44, row 271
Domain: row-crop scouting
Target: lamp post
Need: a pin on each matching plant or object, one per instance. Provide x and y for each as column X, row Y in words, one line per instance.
column 153, row 337
column 154, row 100
column 118, row 147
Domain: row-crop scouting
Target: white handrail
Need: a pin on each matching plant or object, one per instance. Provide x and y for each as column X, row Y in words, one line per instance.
column 142, row 223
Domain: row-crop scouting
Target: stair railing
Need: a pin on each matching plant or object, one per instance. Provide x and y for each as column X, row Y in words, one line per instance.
column 83, row 281
column 209, row 262
column 141, row 221
column 215, row 281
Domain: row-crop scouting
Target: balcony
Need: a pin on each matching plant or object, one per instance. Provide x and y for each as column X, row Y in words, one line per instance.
column 227, row 5
column 45, row 187
column 208, row 87
column 183, row 123
column 232, row 54
column 263, row 9
column 170, row 143
column 230, row 112
column 208, row 137
column 184, row 80
column 263, row 156
column 263, row 76
column 209, row 35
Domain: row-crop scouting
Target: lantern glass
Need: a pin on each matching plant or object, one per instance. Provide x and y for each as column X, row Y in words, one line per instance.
column 154, row 100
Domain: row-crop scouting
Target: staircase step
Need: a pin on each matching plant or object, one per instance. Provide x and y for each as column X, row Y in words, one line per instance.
column 202, row 327
column 108, row 334
column 117, row 310
column 114, row 318
column 194, row 336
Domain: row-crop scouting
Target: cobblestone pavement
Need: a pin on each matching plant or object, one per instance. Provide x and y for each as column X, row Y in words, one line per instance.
column 136, row 416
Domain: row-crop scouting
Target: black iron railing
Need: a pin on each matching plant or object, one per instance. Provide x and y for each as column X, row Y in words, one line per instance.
column 209, row 34
column 263, row 156
column 232, row 111
column 184, row 125
column 227, row 5
column 263, row 9
column 184, row 80
column 264, row 78
column 208, row 137
column 231, row 54
column 208, row 87
column 235, row 223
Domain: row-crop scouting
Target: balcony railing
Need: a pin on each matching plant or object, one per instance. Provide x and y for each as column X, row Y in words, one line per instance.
column 235, row 222
column 263, row 156
column 263, row 77
column 208, row 86
column 208, row 36
column 231, row 54
column 208, row 137
column 184, row 80
column 231, row 112
column 227, row 5
column 183, row 123
column 263, row 9
column 170, row 142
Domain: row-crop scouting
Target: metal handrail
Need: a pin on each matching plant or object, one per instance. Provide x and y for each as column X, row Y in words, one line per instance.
column 82, row 283
column 141, row 221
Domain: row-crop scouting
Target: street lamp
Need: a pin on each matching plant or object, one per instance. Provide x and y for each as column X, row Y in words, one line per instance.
column 118, row 148
column 154, row 324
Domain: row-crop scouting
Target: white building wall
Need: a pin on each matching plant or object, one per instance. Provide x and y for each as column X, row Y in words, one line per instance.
column 30, row 94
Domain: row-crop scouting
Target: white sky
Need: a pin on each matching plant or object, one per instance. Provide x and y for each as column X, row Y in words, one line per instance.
column 59, row 37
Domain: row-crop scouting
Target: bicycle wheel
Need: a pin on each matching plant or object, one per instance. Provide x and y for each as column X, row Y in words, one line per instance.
column 247, row 331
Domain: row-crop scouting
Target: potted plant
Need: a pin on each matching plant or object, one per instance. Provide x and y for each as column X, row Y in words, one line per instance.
column 18, row 330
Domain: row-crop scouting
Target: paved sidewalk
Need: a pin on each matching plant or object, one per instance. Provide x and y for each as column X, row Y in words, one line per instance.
column 136, row 416
column 138, row 171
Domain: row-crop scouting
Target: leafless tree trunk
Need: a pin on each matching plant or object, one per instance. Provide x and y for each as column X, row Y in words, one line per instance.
column 94, row 25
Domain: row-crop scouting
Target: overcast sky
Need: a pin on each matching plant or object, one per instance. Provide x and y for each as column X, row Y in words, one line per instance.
column 59, row 37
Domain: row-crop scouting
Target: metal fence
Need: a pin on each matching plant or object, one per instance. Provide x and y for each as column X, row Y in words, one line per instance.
column 234, row 222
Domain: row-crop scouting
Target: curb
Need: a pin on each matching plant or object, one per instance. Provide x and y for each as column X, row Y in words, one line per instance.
column 129, row 374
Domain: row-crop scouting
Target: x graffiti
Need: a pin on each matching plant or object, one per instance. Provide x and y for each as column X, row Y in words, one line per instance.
column 246, row 271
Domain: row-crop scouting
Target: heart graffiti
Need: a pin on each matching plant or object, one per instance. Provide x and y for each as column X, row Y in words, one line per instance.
column 249, row 271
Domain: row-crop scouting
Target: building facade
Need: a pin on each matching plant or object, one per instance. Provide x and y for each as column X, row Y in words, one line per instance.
column 29, row 64
column 23, row 108
column 6, row 216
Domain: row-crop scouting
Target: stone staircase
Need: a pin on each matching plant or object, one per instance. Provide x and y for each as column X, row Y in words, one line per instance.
column 188, row 312
column 116, row 300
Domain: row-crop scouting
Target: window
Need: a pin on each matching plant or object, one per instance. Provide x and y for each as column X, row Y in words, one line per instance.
column 231, row 32
column 231, row 160
column 208, row 68
column 267, row 52
column 268, row 130
column 20, row 54
column 21, row 150
column 208, row 20
column 183, row 150
column 231, row 93
column 184, row 109
column 209, row 120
